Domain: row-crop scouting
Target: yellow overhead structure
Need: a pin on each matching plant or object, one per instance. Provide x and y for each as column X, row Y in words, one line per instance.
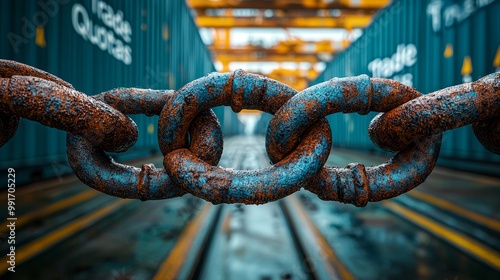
column 347, row 14
column 292, row 50
column 362, row 4
column 309, row 74
column 222, row 40
column 295, row 78
column 264, row 57
column 358, row 5
column 222, row 15
column 289, row 50
column 348, row 22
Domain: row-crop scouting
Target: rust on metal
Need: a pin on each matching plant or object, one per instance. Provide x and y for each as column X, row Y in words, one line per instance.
column 238, row 90
column 225, row 185
column 488, row 134
column 217, row 89
column 347, row 95
column 298, row 139
column 8, row 127
column 441, row 110
column 50, row 101
column 9, row 68
column 99, row 171
column 358, row 185
column 67, row 109
column 354, row 184
column 135, row 100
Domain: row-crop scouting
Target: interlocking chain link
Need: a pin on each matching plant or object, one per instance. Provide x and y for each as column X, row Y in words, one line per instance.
column 298, row 139
column 354, row 184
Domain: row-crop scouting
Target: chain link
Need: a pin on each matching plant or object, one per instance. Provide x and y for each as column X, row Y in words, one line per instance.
column 48, row 100
column 97, row 170
column 355, row 184
column 298, row 139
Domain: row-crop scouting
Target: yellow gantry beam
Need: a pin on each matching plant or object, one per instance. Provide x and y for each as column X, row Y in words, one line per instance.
column 285, row 47
column 291, row 50
column 222, row 15
column 371, row 5
column 349, row 23
column 266, row 58
column 295, row 78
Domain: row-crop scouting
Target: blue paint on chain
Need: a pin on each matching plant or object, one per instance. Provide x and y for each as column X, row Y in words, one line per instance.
column 223, row 185
column 449, row 108
column 355, row 184
column 239, row 90
column 248, row 90
column 97, row 170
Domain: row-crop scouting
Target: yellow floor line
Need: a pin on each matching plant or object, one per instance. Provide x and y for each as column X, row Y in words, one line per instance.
column 171, row 266
column 52, row 208
column 465, row 243
column 447, row 205
column 37, row 186
column 41, row 244
column 326, row 249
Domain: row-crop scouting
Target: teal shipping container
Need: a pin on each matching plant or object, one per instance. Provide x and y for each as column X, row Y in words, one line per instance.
column 97, row 45
column 429, row 45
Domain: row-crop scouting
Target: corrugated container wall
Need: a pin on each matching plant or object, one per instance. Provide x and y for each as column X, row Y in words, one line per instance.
column 429, row 45
column 97, row 45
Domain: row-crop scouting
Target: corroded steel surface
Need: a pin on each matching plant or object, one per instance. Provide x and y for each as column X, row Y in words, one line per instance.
column 97, row 170
column 238, row 90
column 298, row 139
column 225, row 185
column 347, row 95
column 358, row 185
column 488, row 134
column 217, row 185
column 441, row 110
column 8, row 127
column 354, row 184
column 65, row 108
column 8, row 68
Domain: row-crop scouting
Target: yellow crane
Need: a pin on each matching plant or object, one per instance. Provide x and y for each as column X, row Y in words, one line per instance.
column 222, row 15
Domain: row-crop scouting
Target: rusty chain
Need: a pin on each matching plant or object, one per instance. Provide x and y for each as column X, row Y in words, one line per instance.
column 298, row 139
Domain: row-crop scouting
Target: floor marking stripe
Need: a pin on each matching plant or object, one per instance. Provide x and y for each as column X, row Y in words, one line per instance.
column 41, row 244
column 452, row 207
column 52, row 208
column 461, row 241
column 171, row 266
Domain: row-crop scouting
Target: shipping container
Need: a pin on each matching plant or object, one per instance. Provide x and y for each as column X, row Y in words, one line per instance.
column 429, row 45
column 98, row 45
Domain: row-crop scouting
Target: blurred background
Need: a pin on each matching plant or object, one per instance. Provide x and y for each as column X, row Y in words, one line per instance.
column 447, row 228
